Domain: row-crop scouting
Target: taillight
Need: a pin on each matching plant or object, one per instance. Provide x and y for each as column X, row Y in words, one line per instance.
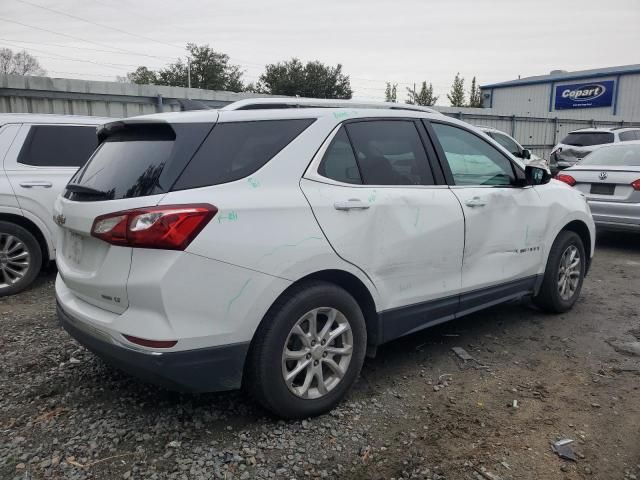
column 568, row 179
column 168, row 227
column 636, row 184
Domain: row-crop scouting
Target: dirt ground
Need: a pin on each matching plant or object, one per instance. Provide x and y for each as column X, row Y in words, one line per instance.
column 418, row 410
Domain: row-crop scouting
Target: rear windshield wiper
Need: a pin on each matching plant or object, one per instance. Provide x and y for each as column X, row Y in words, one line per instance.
column 75, row 188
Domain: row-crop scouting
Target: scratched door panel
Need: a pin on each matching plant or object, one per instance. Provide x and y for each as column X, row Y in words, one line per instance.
column 409, row 240
column 505, row 230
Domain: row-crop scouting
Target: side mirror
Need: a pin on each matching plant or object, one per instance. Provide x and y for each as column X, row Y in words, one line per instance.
column 525, row 154
column 536, row 175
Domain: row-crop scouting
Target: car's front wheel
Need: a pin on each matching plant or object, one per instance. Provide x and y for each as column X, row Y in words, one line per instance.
column 308, row 351
column 20, row 258
column 563, row 275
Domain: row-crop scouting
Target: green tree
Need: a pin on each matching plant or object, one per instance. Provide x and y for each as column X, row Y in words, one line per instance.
column 475, row 98
column 456, row 96
column 210, row 70
column 20, row 63
column 313, row 79
column 425, row 97
column 391, row 93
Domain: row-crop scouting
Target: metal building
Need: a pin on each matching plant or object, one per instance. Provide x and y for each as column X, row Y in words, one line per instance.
column 603, row 94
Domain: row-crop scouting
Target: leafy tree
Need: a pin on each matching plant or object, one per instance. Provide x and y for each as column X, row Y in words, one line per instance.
column 20, row 63
column 456, row 96
column 391, row 93
column 209, row 70
column 313, row 79
column 475, row 98
column 425, row 97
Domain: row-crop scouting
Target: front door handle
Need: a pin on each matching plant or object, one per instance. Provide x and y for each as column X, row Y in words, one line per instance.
column 351, row 204
column 475, row 202
column 36, row 184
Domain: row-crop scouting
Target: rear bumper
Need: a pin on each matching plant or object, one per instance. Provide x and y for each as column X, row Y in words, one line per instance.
column 616, row 215
column 201, row 370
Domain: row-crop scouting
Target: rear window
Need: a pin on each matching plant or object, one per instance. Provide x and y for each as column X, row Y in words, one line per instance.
column 237, row 149
column 58, row 145
column 139, row 160
column 621, row 155
column 586, row 139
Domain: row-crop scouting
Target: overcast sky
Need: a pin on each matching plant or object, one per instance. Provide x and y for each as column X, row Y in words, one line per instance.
column 402, row 41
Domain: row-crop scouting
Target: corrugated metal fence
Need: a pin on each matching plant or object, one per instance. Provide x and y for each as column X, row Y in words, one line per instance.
column 20, row 94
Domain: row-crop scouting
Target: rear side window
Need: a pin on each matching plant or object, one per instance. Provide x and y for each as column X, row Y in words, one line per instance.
column 58, row 145
column 629, row 135
column 586, row 139
column 507, row 143
column 237, row 149
column 390, row 152
column 339, row 162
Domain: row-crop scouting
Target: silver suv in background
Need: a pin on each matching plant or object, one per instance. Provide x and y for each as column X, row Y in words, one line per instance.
column 38, row 156
column 580, row 143
column 510, row 143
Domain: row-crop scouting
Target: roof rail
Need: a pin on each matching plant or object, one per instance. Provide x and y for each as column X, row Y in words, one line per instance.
column 288, row 102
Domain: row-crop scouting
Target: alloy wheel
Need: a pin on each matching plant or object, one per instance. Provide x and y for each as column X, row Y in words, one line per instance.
column 317, row 353
column 14, row 260
column 569, row 272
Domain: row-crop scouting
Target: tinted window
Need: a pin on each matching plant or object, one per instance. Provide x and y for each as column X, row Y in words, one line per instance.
column 58, row 145
column 585, row 139
column 472, row 160
column 507, row 143
column 629, row 135
column 627, row 155
column 237, row 149
column 339, row 162
column 129, row 162
column 390, row 153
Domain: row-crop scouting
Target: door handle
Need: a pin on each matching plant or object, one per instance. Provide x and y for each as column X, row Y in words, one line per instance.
column 475, row 202
column 351, row 204
column 35, row 184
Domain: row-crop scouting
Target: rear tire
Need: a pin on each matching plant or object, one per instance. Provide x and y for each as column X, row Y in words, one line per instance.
column 20, row 258
column 563, row 275
column 317, row 330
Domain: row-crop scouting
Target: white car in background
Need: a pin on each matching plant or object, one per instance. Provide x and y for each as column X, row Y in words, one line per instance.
column 273, row 248
column 38, row 155
column 510, row 143
column 580, row 143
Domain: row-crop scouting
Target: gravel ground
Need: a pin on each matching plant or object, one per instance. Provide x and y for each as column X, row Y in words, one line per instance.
column 418, row 411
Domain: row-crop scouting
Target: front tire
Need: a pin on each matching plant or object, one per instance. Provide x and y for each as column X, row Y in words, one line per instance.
column 563, row 275
column 20, row 258
column 308, row 351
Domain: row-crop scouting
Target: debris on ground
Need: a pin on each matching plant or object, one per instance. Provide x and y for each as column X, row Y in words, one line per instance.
column 626, row 348
column 563, row 450
column 466, row 357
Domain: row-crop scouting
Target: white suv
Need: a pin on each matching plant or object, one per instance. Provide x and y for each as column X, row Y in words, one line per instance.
column 38, row 156
column 273, row 248
column 580, row 143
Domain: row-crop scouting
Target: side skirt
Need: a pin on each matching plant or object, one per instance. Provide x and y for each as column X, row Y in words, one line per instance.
column 402, row 321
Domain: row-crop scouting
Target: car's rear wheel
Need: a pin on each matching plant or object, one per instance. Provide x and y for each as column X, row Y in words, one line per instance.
column 563, row 275
column 308, row 351
column 20, row 258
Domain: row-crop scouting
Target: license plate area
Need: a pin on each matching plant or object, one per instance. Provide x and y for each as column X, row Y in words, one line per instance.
column 603, row 188
column 74, row 247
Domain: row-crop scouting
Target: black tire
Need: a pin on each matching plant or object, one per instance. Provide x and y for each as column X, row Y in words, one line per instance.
column 549, row 298
column 35, row 258
column 264, row 377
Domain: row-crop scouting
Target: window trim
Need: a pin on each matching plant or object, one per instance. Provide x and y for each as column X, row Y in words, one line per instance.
column 444, row 164
column 312, row 171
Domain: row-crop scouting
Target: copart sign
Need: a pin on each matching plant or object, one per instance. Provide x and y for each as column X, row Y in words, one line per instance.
column 585, row 95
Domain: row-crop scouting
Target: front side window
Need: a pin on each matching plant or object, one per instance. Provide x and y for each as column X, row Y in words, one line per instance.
column 587, row 139
column 472, row 160
column 339, row 162
column 58, row 145
column 507, row 143
column 390, row 152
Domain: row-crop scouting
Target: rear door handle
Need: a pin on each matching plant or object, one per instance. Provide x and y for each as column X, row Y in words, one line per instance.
column 35, row 184
column 475, row 202
column 351, row 204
